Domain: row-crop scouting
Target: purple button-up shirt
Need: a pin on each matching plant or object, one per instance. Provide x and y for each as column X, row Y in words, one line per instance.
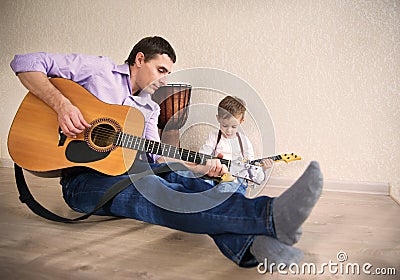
column 100, row 76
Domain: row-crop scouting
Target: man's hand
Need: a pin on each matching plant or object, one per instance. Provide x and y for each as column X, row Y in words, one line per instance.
column 71, row 120
column 213, row 168
column 70, row 117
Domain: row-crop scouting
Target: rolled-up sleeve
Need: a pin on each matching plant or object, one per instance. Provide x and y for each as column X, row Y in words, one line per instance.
column 29, row 62
column 76, row 67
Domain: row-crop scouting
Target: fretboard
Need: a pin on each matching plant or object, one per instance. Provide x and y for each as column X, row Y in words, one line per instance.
column 153, row 147
column 274, row 158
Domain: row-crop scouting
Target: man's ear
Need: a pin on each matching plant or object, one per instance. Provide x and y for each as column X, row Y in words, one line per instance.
column 139, row 59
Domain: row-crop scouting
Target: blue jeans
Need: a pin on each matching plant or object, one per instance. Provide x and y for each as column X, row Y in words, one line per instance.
column 239, row 186
column 232, row 224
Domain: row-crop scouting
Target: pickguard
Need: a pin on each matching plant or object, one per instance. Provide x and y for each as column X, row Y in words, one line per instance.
column 78, row 151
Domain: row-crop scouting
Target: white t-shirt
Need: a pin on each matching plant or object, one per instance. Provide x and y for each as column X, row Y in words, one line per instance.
column 229, row 148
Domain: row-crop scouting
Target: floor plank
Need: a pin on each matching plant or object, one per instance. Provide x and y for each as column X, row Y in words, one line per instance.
column 365, row 227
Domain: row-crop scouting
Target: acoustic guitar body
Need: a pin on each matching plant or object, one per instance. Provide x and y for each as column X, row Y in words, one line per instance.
column 36, row 143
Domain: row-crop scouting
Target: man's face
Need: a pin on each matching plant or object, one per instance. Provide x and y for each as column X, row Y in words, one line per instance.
column 152, row 74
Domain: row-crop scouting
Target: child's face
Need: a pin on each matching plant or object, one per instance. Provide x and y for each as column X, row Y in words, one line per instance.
column 230, row 126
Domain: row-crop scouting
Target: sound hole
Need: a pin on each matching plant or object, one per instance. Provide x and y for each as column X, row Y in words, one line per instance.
column 103, row 135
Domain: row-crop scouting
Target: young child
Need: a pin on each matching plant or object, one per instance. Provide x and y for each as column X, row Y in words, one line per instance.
column 229, row 143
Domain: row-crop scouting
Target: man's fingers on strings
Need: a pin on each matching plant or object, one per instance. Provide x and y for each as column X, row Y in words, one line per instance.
column 83, row 121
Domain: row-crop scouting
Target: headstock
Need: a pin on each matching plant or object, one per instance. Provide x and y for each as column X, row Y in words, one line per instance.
column 289, row 157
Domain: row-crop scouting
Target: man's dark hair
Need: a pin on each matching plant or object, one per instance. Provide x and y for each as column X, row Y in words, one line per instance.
column 150, row 47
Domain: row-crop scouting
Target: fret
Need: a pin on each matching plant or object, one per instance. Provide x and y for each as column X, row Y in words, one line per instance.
column 158, row 148
column 123, row 140
column 198, row 158
column 140, row 143
column 120, row 139
column 129, row 143
column 169, row 150
column 201, row 158
column 195, row 158
column 126, row 144
column 145, row 145
column 136, row 145
column 180, row 153
column 150, row 146
column 165, row 153
column 190, row 157
column 174, row 153
column 162, row 149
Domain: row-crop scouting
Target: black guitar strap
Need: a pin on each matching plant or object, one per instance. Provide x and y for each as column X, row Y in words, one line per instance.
column 27, row 198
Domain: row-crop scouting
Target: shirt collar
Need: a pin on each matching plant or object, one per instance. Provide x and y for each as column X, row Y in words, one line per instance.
column 143, row 98
column 123, row 69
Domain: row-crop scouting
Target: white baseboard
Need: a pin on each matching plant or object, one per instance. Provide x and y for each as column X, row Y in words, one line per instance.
column 338, row 186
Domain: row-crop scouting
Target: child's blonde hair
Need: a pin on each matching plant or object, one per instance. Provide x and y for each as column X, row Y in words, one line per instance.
column 231, row 106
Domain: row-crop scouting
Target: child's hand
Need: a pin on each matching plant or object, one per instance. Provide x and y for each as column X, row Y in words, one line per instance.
column 267, row 164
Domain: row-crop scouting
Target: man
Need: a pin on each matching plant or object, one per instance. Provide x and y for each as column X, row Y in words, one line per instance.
column 245, row 230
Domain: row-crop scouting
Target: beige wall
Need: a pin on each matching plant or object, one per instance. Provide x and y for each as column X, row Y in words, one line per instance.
column 328, row 71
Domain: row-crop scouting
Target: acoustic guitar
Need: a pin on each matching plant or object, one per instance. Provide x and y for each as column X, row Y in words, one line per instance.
column 36, row 142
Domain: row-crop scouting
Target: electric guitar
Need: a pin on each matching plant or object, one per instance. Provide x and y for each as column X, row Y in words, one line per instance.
column 36, row 142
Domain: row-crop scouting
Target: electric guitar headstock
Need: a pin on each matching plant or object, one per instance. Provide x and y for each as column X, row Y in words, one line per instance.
column 289, row 157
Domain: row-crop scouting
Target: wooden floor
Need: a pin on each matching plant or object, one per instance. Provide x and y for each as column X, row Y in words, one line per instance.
column 366, row 227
